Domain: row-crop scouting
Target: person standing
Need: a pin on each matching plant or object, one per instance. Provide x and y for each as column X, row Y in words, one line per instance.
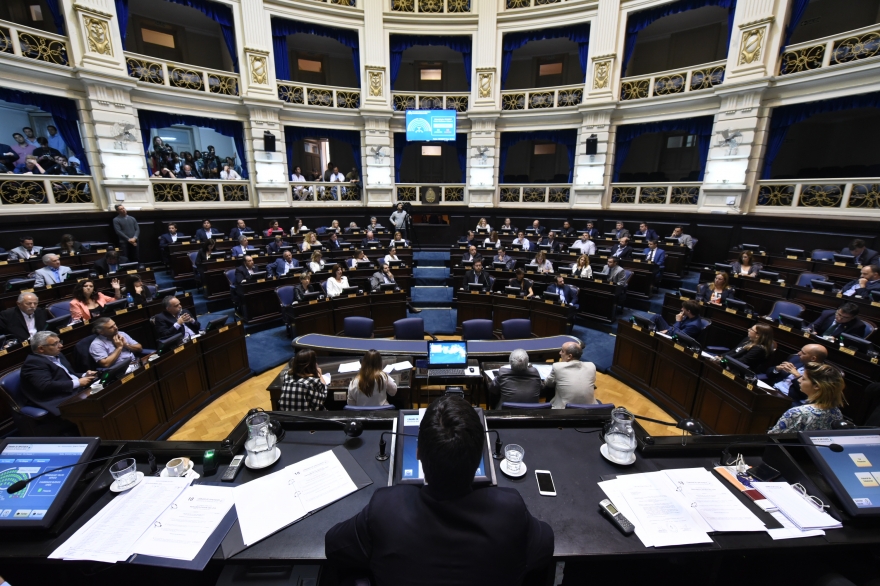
column 129, row 233
column 398, row 218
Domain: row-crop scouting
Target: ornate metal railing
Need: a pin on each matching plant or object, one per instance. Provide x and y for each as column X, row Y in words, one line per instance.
column 351, row 3
column 825, row 194
column 402, row 101
column 542, row 98
column 417, row 193
column 856, row 45
column 180, row 75
column 666, row 83
column 26, row 190
column 324, row 96
column 174, row 191
column 33, row 43
column 511, row 4
column 318, row 191
column 539, row 194
column 681, row 193
column 431, row 6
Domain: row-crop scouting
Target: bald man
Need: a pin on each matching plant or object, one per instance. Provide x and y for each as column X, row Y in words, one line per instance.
column 793, row 370
column 573, row 380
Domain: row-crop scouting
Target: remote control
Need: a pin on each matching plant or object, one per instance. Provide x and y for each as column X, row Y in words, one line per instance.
column 616, row 517
column 232, row 469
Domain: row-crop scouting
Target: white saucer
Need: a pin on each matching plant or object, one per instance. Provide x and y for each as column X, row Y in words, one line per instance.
column 522, row 469
column 188, row 474
column 604, row 451
column 115, row 486
column 249, row 464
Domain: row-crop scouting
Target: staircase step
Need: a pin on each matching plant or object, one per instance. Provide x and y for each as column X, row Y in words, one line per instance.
column 431, row 296
column 438, row 321
column 430, row 276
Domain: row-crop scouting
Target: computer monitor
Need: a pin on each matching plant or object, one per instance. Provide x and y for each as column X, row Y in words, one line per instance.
column 248, row 233
column 400, row 243
column 845, row 258
column 114, row 373
column 597, row 276
column 313, row 295
column 687, row 342
column 216, row 323
column 114, row 306
column 447, row 354
column 855, row 343
column 505, row 229
column 19, row 284
column 516, row 246
column 737, row 304
column 258, row 275
column 689, row 293
column 643, row 322
column 163, row 293
column 56, row 323
column 169, row 343
column 822, row 285
column 482, row 230
column 499, row 266
column 611, row 235
column 875, row 296
column 388, row 287
column 738, row 368
column 554, row 297
column 513, row 290
column 475, row 286
column 395, row 264
column 96, row 246
column 671, row 240
column 50, row 250
column 768, row 275
column 77, row 275
column 468, row 264
column 720, row 267
column 798, row 252
column 545, row 247
column 4, row 256
column 791, row 321
column 127, row 266
column 752, row 247
column 217, row 235
column 639, row 256
column 349, row 291
column 281, row 249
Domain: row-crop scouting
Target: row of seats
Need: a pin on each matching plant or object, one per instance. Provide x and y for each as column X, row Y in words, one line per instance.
column 505, row 405
column 413, row 328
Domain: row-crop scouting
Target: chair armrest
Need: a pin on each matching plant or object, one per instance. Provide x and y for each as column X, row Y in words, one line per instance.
column 34, row 412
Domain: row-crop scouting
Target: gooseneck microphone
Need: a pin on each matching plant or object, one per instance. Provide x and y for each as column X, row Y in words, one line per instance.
column 497, row 453
column 17, row 486
column 352, row 428
column 382, row 455
column 725, row 455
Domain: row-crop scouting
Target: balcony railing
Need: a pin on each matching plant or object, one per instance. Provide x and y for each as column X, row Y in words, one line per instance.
column 414, row 101
column 824, row 194
column 66, row 190
column 351, row 3
column 512, row 4
column 180, row 75
column 667, row 83
column 431, row 6
column 323, row 96
column 446, row 193
column 199, row 191
column 542, row 98
column 856, row 45
column 318, row 191
column 681, row 193
column 540, row 194
column 32, row 43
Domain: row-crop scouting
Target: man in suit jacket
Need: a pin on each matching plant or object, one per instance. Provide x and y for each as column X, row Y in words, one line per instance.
column 551, row 241
column 240, row 227
column 620, row 231
column 683, row 239
column 863, row 255
column 370, row 241
column 53, row 273
column 175, row 319
column 246, row 270
column 687, row 321
column 843, row 320
column 25, row 250
column 573, row 380
column 647, row 233
column 478, row 276
column 592, row 231
column 786, row 377
column 205, row 232
column 47, row 378
column 862, row 287
column 518, row 382
column 334, row 243
column 381, row 277
column 622, row 249
column 568, row 295
column 110, row 263
column 284, row 265
column 274, row 247
column 170, row 238
column 539, row 229
column 471, row 255
column 444, row 532
column 242, row 247
column 25, row 319
column 615, row 272
column 656, row 258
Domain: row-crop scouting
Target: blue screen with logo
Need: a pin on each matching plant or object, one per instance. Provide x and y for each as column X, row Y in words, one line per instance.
column 23, row 460
column 411, row 467
column 425, row 125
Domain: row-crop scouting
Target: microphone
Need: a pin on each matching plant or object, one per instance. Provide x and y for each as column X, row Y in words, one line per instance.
column 17, row 486
column 382, row 456
column 725, row 455
column 352, row 428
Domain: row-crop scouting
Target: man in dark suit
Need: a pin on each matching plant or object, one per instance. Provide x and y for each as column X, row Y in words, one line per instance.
column 863, row 255
column 47, row 378
column 284, row 265
column 24, row 320
column 786, row 377
column 656, row 257
column 843, row 320
column 246, row 270
column 240, row 227
column 110, row 263
column 478, row 276
column 334, row 243
column 647, row 233
column 471, row 255
column 687, row 321
column 170, row 238
column 444, row 532
column 175, row 319
column 622, row 249
column 274, row 247
column 538, row 228
column 567, row 230
column 470, row 239
column 205, row 232
column 592, row 231
column 370, row 241
column 568, row 295
column 862, row 287
column 551, row 241
column 517, row 382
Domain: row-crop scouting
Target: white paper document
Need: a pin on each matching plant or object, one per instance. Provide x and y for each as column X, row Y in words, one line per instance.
column 543, row 369
column 713, row 501
column 326, row 378
column 349, row 367
column 788, row 530
column 491, row 374
column 763, row 385
column 184, row 528
column 790, row 503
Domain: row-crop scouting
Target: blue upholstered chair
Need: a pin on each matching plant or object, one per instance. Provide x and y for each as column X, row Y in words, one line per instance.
column 26, row 418
column 805, row 278
column 507, row 405
column 477, row 329
column 285, row 299
column 369, row 408
column 410, row 328
column 786, row 307
column 822, row 255
column 60, row 308
column 516, row 329
column 357, row 327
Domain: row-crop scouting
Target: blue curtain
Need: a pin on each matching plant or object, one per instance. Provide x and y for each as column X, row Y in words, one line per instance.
column 461, row 150
column 64, row 114
column 282, row 27
column 798, row 8
column 294, row 134
column 638, row 21
column 150, row 119
column 220, row 13
column 579, row 33
column 567, row 138
column 701, row 126
column 399, row 146
column 784, row 117
column 57, row 16
column 400, row 43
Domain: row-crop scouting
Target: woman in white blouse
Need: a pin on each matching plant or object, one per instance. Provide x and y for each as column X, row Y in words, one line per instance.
column 582, row 268
column 334, row 226
column 483, row 225
column 392, row 255
column 337, row 282
column 299, row 228
column 543, row 265
column 310, row 241
column 316, row 265
column 492, row 240
column 371, row 386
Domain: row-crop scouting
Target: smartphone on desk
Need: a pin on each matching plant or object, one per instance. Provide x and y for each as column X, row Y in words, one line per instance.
column 545, row 483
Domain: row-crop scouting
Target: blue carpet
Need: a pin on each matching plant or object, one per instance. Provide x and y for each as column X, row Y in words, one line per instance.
column 430, row 258
column 599, row 346
column 438, row 321
column 268, row 349
column 425, row 296
column 431, row 276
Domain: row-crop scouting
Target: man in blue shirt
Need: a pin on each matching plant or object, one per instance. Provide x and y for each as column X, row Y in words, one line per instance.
column 53, row 273
column 687, row 321
column 55, row 140
column 568, row 295
column 861, row 287
column 656, row 256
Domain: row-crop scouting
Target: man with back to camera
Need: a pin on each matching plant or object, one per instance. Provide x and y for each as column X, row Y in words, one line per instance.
column 573, row 380
column 862, row 255
column 786, row 377
column 129, row 232
column 25, row 319
column 444, row 532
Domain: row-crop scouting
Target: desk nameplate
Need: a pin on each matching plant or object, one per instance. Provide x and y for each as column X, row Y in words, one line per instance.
column 728, row 374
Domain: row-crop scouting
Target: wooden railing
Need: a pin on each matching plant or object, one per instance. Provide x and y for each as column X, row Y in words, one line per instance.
column 535, row 194
column 431, row 6
column 828, row 195
column 681, row 193
column 180, row 75
column 33, row 43
column 175, row 191
column 68, row 191
column 542, row 98
column 667, row 83
column 442, row 193
column 513, row 4
column 855, row 45
column 324, row 192
column 402, row 101
column 324, row 96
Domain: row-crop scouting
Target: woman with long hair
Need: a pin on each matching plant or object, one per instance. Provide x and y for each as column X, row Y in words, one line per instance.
column 302, row 386
column 581, row 268
column 316, row 265
column 69, row 245
column 274, row 228
column 139, row 292
column 87, row 302
column 337, row 282
column 716, row 292
column 492, row 240
column 756, row 348
column 823, row 385
column 543, row 265
column 371, row 386
column 205, row 254
column 744, row 267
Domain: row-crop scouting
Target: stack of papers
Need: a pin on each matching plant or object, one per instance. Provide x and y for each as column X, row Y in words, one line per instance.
column 803, row 514
column 405, row 365
column 349, row 367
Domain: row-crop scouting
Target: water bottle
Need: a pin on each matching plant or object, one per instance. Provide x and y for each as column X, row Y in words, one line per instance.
column 130, row 299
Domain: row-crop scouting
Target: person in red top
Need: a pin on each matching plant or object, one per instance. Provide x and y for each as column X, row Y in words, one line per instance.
column 274, row 228
column 88, row 302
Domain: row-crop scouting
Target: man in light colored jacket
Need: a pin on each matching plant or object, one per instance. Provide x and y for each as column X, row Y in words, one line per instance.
column 573, row 380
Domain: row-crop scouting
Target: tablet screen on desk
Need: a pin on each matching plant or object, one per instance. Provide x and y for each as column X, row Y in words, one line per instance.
column 854, row 473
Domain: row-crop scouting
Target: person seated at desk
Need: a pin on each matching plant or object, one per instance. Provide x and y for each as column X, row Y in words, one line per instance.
column 616, row 273
column 843, row 320
column 299, row 228
column 370, row 240
column 646, row 233
column 507, row 226
column 573, row 380
column 585, row 245
column 305, row 286
column 170, row 238
column 134, row 286
column 175, row 319
column 110, row 263
column 25, row 249
column 656, row 257
column 687, row 321
column 69, row 245
column 240, row 227
column 471, row 255
column 242, row 247
column 111, row 346
column 520, row 281
column 334, row 243
column 374, row 225
column 509, row 262
column 358, row 257
column 717, row 292
column 522, row 241
column 478, row 276
column 205, row 232
column 187, row 172
column 756, row 348
column 382, row 277
column 539, row 230
column 581, row 268
column 88, row 302
column 275, row 228
column 284, row 265
column 683, row 239
column 622, row 249
column 469, row 240
column 371, row 387
column 483, row 225
column 25, row 319
column 541, row 264
column 492, row 240
column 52, row 273
column 551, row 241
column 337, row 282
column 445, row 532
column 399, row 240
column 302, row 386
column 310, row 242
column 620, row 231
column 392, row 255
column 862, row 287
column 568, row 295
column 823, row 386
column 517, row 382
column 786, row 377
column 316, row 262
column 334, row 227
column 861, row 253
column 245, row 271
column 567, row 230
column 593, row 231
column 745, row 267
column 274, row 247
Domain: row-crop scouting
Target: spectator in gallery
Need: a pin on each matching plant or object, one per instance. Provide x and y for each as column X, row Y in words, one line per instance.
column 22, row 147
column 336, row 177
column 55, row 140
column 44, row 149
column 211, row 164
column 353, row 176
column 63, row 166
column 30, row 136
column 315, row 175
column 29, row 167
column 160, row 155
column 231, row 162
column 329, row 171
column 198, row 162
column 8, row 157
column 228, row 173
column 188, row 173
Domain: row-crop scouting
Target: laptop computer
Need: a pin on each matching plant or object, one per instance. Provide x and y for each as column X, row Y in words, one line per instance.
column 447, row 358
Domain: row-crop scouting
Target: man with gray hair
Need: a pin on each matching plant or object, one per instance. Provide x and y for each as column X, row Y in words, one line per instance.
column 24, row 320
column 47, row 378
column 242, row 247
column 518, row 382
column 174, row 320
column 51, row 274
column 573, row 380
column 111, row 347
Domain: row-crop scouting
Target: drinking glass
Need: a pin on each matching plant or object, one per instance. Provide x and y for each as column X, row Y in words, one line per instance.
column 124, row 472
column 514, row 454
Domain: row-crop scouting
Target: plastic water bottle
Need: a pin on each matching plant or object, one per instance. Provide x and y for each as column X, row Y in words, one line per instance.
column 130, row 299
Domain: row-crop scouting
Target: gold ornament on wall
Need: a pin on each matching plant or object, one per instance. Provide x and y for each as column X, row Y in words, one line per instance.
column 98, row 35
column 259, row 70
column 752, row 43
column 600, row 74
column 486, row 84
column 375, row 83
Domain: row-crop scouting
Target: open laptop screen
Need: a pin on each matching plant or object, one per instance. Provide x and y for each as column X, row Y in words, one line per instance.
column 450, row 354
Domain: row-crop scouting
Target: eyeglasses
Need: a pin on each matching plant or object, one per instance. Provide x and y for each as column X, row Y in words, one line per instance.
column 815, row 501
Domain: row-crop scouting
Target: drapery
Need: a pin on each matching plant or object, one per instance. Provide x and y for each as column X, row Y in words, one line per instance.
column 638, row 21
column 57, row 16
column 400, row 143
column 782, row 118
column 293, row 134
column 579, row 33
column 400, row 43
column 566, row 137
column 64, row 114
column 282, row 27
column 220, row 13
column 798, row 8
column 461, row 150
column 150, row 119
column 701, row 126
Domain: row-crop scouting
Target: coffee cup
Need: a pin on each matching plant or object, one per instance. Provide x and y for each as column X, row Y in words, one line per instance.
column 177, row 466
